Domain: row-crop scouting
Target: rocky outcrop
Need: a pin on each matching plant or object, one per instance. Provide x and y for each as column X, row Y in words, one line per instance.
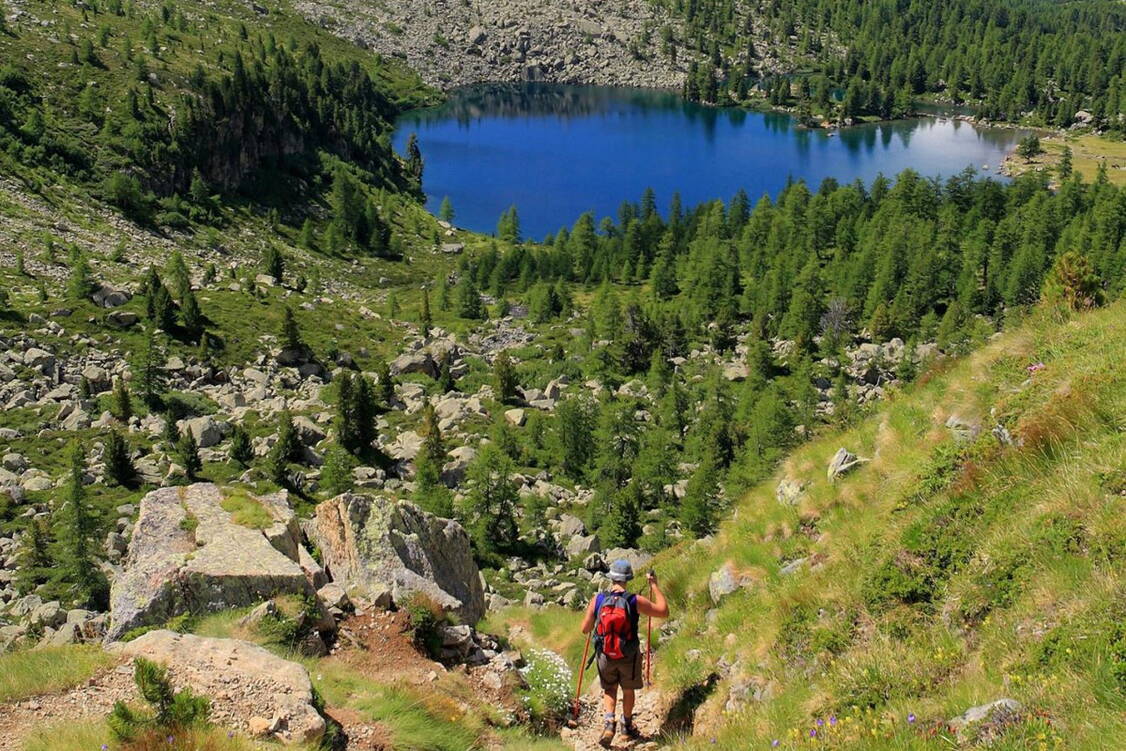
column 843, row 462
column 189, row 553
column 986, row 722
column 451, row 43
column 374, row 544
column 250, row 689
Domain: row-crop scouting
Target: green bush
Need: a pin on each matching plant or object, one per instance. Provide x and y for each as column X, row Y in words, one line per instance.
column 931, row 551
column 426, row 622
column 171, row 710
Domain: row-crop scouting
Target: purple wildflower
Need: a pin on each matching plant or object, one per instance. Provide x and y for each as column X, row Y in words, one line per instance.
column 812, row 732
column 774, row 743
column 833, row 720
column 820, row 722
column 911, row 718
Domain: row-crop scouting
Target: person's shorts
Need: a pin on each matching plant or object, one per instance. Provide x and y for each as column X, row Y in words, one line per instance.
column 625, row 672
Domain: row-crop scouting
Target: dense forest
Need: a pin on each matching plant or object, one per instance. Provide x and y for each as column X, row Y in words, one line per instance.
column 1007, row 59
column 162, row 104
column 786, row 285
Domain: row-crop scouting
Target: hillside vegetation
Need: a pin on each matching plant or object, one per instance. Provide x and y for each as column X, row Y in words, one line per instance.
column 978, row 555
column 1029, row 59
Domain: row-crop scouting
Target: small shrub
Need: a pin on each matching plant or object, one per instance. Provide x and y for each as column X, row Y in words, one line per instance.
column 171, row 710
column 426, row 622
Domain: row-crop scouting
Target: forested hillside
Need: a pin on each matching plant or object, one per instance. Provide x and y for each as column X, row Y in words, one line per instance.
column 1005, row 59
column 233, row 342
column 156, row 108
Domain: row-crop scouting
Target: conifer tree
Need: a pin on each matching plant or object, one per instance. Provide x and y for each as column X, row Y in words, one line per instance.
column 384, row 384
column 192, row 316
column 273, row 263
column 348, row 206
column 336, row 474
column 290, row 333
column 80, row 282
column 508, row 227
column 469, row 298
column 122, row 403
column 504, row 378
column 622, row 525
column 443, row 299
column 430, row 493
column 34, row 565
column 308, row 237
column 151, row 381
column 187, row 450
column 177, row 271
column 285, row 450
column 446, row 210
column 880, row 325
column 1073, row 283
column 1065, row 167
column 574, row 428
column 699, row 505
column 414, row 157
column 425, row 322
column 241, row 451
column 446, row 381
column 119, row 465
column 75, row 531
column 490, row 505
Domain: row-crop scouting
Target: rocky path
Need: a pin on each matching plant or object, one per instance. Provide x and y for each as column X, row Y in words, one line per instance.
column 648, row 714
column 92, row 700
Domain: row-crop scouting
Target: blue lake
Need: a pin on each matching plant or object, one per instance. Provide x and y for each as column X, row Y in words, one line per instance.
column 557, row 151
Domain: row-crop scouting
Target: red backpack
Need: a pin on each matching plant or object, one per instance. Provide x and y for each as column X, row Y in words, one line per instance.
column 616, row 625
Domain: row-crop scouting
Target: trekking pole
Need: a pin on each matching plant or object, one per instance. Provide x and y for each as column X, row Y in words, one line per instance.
column 576, row 706
column 649, row 642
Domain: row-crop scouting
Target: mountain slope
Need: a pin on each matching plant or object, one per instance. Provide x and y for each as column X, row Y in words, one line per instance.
column 948, row 571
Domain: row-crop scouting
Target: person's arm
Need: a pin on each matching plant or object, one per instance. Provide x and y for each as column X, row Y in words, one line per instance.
column 658, row 607
column 588, row 620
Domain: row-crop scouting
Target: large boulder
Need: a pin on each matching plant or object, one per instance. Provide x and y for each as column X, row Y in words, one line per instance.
column 638, row 559
column 374, row 543
column 190, row 554
column 206, row 430
column 106, row 296
column 250, row 688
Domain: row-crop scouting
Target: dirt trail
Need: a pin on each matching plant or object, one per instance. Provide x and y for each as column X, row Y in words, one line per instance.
column 92, row 700
column 648, row 715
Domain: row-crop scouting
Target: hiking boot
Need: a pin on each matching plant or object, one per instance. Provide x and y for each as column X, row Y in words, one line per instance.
column 607, row 736
column 629, row 730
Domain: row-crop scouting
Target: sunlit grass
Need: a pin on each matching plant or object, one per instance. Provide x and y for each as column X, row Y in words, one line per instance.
column 46, row 671
column 1028, row 615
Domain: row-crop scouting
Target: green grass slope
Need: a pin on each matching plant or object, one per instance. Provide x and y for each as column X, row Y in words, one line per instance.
column 939, row 575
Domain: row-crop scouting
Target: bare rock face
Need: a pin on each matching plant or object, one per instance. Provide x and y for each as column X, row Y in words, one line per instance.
column 249, row 688
column 188, row 554
column 373, row 544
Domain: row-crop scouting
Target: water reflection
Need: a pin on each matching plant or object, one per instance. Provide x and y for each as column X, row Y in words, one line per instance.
column 556, row 151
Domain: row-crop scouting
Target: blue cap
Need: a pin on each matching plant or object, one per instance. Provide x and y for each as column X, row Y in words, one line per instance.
column 620, row 571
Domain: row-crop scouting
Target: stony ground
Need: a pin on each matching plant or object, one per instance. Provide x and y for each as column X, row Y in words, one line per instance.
column 451, row 43
column 94, row 700
column 649, row 715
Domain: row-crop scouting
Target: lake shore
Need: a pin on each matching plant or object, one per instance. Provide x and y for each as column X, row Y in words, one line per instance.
column 1087, row 151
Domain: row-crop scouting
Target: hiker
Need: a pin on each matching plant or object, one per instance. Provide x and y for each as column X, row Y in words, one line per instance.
column 614, row 615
